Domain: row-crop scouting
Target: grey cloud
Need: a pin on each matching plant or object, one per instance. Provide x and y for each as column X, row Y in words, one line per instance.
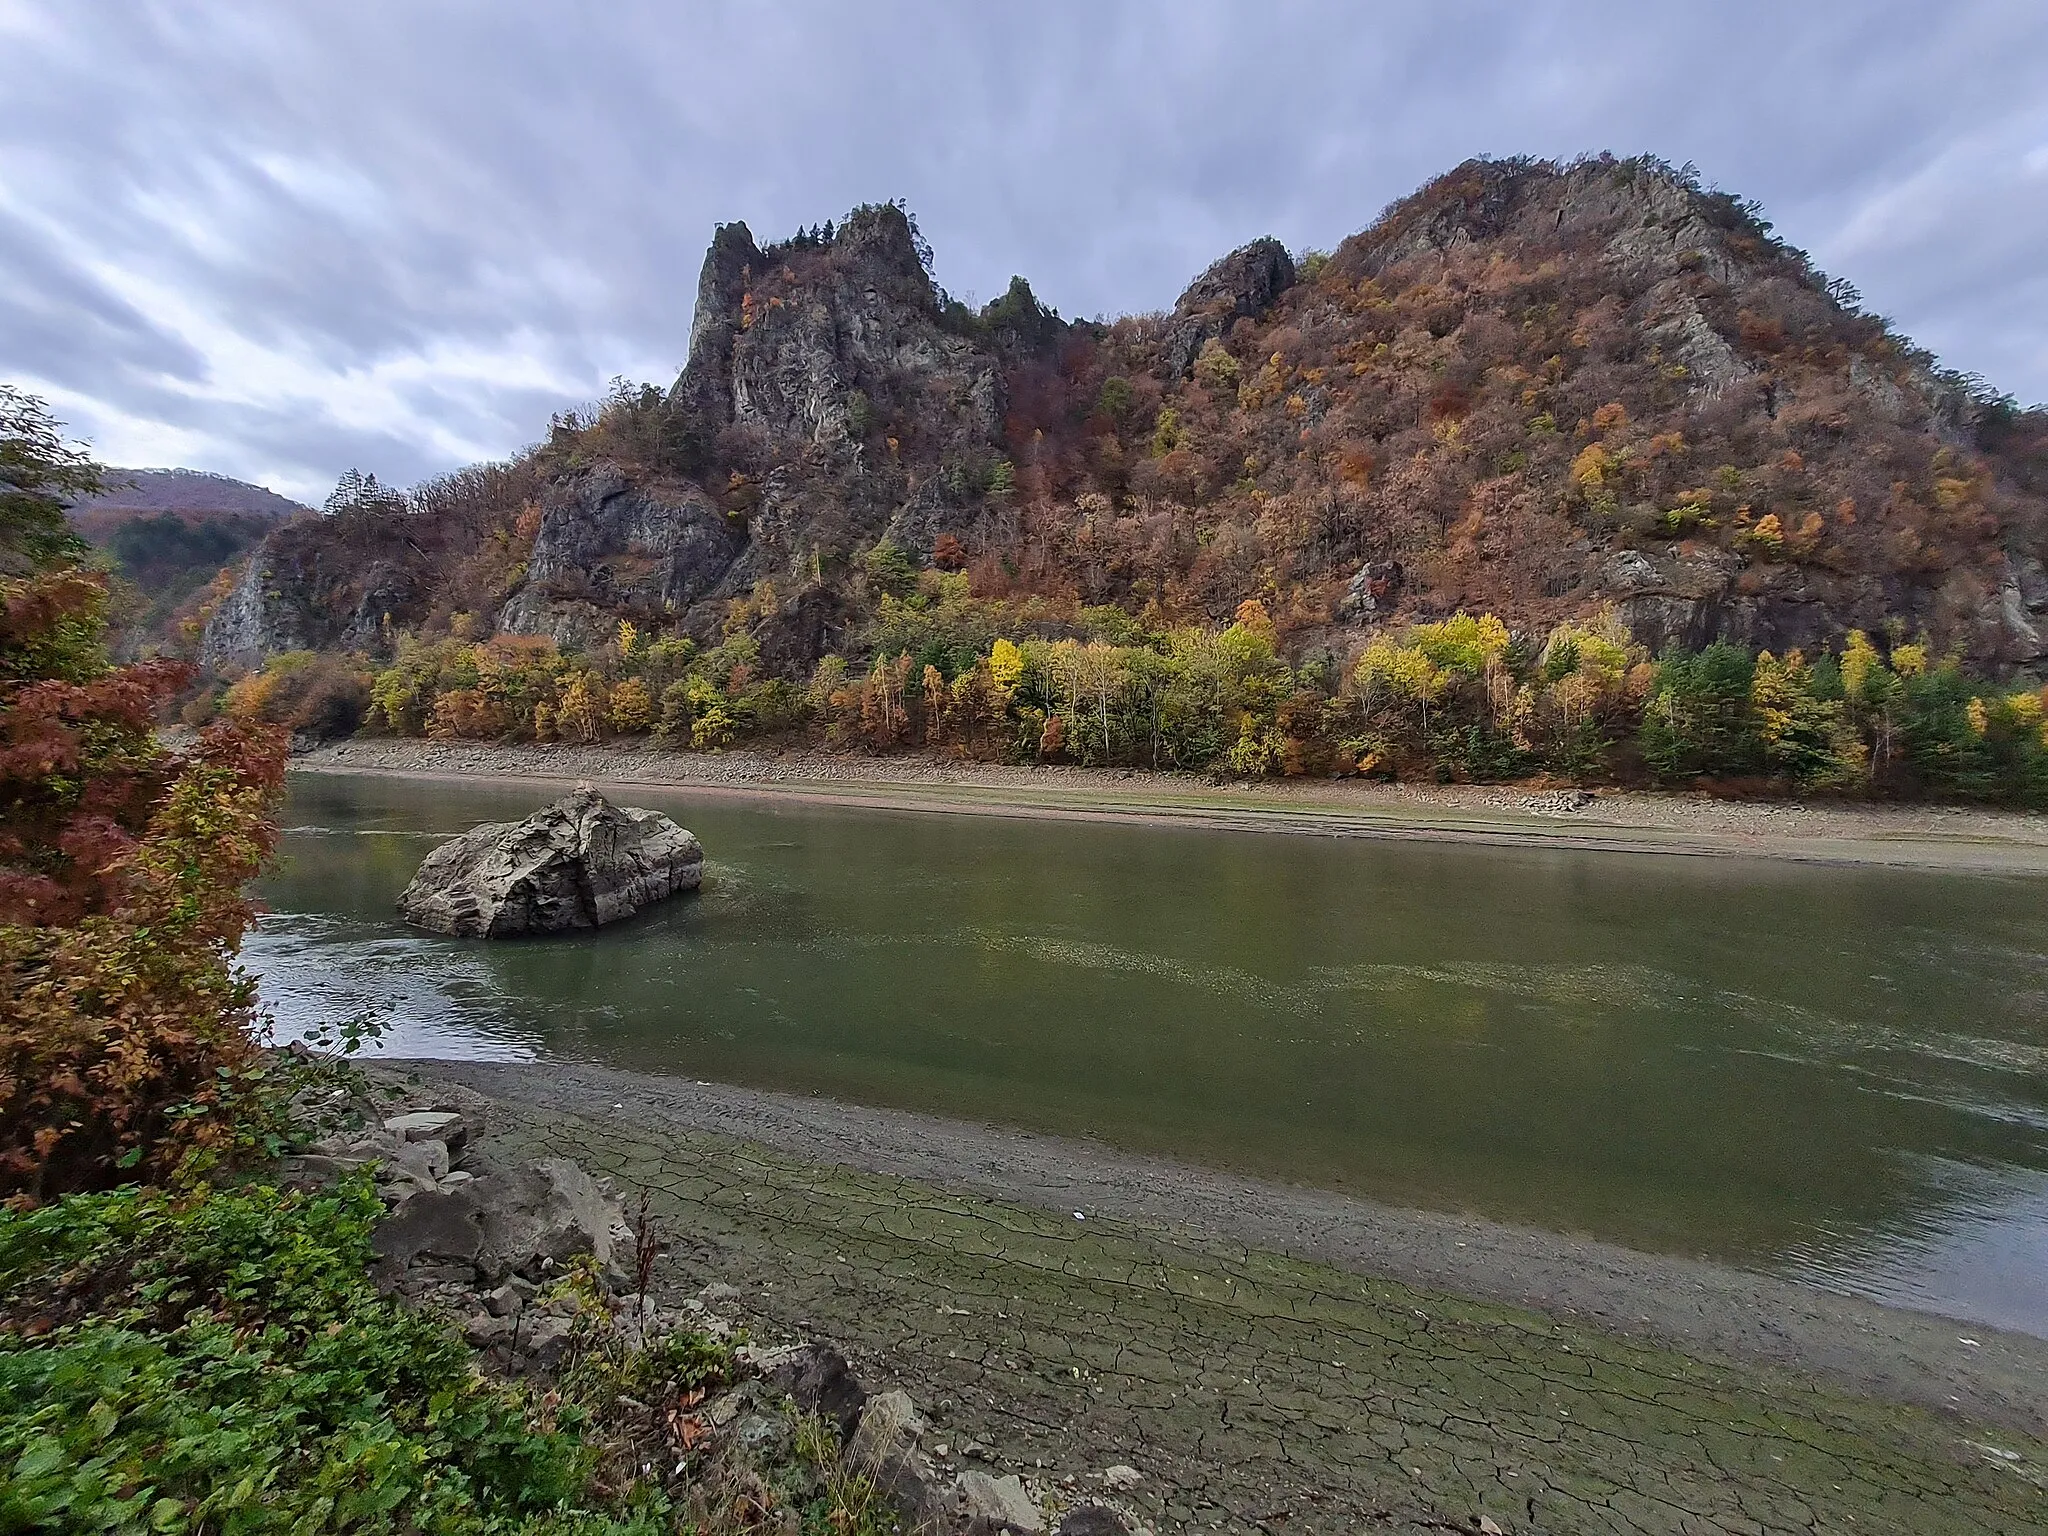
column 379, row 233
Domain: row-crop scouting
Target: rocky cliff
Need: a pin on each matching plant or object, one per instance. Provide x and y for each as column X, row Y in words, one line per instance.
column 1536, row 389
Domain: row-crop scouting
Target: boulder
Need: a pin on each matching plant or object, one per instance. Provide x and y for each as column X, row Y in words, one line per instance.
column 580, row 863
column 997, row 1506
column 442, row 1125
column 448, row 1226
column 818, row 1379
column 889, row 1447
column 536, row 1219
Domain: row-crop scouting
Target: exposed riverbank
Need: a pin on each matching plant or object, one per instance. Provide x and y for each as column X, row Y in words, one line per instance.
column 1917, row 836
column 1274, row 1358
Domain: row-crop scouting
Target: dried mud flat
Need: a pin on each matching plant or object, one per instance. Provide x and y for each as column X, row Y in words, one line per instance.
column 1279, row 1359
column 1907, row 836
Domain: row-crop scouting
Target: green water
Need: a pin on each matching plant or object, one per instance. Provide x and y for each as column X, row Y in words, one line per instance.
column 1838, row 1073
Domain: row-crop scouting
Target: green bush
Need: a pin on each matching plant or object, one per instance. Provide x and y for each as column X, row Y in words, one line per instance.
column 224, row 1365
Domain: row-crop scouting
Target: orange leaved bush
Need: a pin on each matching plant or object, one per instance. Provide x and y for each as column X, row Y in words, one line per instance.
column 125, row 1045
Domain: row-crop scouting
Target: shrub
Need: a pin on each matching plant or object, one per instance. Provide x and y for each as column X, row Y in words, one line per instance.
column 124, row 1041
column 321, row 694
column 632, row 707
column 225, row 1364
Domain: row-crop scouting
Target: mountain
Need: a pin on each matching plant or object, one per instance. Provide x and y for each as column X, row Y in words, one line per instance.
column 1535, row 389
column 170, row 531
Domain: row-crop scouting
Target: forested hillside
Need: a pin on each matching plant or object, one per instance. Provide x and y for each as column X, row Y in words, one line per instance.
column 168, row 533
column 1596, row 396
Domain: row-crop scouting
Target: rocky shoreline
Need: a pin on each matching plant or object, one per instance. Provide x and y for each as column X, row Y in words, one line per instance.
column 1905, row 836
column 1056, row 1333
column 538, row 1264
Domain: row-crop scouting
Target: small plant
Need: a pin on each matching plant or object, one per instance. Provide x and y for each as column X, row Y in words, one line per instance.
column 223, row 1363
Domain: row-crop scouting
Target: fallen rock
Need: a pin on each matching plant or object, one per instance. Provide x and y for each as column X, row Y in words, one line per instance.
column 426, row 1161
column 315, row 1170
column 442, row 1125
column 889, row 1447
column 1123, row 1478
column 990, row 1506
column 545, row 1341
column 539, row 1218
column 504, row 1301
column 579, row 863
column 444, row 1225
column 818, row 1379
column 486, row 1329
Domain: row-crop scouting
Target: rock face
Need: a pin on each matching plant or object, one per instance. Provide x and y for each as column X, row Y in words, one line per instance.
column 606, row 546
column 847, row 409
column 304, row 589
column 1243, row 284
column 580, row 863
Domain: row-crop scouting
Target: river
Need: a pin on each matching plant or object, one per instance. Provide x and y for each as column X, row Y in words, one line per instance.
column 1838, row 1074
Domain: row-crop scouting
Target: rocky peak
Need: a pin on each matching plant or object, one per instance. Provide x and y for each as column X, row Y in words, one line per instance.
column 878, row 244
column 1246, row 282
column 1651, row 214
column 730, row 264
column 1243, row 284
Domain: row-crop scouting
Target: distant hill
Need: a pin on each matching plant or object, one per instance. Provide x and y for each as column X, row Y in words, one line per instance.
column 170, row 531
column 139, row 492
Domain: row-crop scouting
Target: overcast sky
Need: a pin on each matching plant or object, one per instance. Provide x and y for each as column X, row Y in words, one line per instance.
column 278, row 240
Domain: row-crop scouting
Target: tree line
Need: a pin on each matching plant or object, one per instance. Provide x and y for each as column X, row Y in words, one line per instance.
column 1464, row 698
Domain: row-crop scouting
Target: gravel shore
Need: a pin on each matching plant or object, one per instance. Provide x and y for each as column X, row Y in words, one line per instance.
column 1916, row 836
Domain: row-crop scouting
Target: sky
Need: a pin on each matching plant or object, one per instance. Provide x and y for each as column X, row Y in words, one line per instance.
column 278, row 241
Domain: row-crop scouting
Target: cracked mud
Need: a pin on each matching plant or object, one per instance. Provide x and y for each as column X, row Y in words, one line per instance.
column 1256, row 1391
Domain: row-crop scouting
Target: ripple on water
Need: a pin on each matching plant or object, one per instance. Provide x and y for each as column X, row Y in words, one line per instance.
column 438, row 1001
column 1977, row 1250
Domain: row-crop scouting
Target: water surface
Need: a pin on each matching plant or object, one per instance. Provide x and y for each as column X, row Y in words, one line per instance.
column 1836, row 1073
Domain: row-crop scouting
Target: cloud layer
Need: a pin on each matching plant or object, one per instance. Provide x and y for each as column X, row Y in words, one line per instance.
column 280, row 241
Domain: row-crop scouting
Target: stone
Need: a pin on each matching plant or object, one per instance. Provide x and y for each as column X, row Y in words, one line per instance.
column 485, row 1329
column 545, row 1341
column 889, row 1447
column 315, row 1170
column 1123, row 1478
column 505, row 1301
column 442, row 1125
column 446, row 1225
column 1094, row 1520
column 539, row 1218
column 990, row 1506
column 579, row 863
column 426, row 1161
column 818, row 1380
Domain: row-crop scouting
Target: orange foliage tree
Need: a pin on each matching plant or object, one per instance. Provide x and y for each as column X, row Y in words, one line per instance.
column 125, row 1043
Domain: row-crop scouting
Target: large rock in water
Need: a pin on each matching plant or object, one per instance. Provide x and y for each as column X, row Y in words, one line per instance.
column 580, row 863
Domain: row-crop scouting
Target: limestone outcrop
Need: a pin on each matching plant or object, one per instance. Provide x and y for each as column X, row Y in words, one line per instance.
column 579, row 863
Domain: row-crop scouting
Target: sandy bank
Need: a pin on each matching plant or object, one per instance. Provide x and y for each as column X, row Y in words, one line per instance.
column 1921, row 837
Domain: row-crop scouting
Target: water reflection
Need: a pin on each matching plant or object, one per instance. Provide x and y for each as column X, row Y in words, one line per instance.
column 433, row 1000
column 1841, row 1073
